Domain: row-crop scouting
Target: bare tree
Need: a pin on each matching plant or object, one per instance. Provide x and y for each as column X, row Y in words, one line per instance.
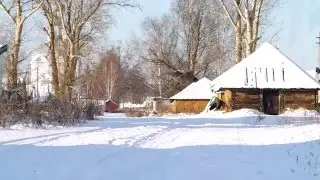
column 246, row 18
column 113, row 78
column 18, row 11
column 184, row 44
column 106, row 74
column 76, row 22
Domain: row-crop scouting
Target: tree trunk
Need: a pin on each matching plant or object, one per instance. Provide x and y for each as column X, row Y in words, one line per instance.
column 54, row 67
column 238, row 36
column 71, row 72
column 14, row 57
column 256, row 24
column 249, row 33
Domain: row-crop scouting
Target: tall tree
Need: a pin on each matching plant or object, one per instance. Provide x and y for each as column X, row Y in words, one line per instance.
column 107, row 73
column 185, row 43
column 77, row 21
column 72, row 27
column 18, row 11
column 246, row 17
column 50, row 13
column 236, row 22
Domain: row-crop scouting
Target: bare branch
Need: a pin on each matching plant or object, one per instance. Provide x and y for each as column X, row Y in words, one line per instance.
column 228, row 14
column 7, row 11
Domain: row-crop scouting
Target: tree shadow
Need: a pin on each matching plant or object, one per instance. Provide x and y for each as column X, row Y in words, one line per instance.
column 204, row 122
column 93, row 162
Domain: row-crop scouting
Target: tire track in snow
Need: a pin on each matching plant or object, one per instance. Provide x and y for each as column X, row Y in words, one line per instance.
column 140, row 142
column 137, row 142
column 4, row 148
column 165, row 137
column 69, row 135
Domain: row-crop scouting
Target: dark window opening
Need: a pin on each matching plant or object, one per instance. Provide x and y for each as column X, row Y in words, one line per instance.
column 274, row 79
column 283, row 75
column 247, row 79
column 267, row 74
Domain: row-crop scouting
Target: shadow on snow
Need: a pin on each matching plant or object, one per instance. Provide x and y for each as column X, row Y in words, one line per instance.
column 91, row 162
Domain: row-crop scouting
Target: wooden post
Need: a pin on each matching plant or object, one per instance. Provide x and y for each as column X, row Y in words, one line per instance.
column 261, row 101
column 281, row 102
column 228, row 97
column 316, row 100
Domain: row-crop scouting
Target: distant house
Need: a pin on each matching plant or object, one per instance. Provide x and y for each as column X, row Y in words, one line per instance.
column 40, row 77
column 192, row 99
column 267, row 81
column 111, row 106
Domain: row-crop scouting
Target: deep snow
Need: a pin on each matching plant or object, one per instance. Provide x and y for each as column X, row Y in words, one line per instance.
column 227, row 146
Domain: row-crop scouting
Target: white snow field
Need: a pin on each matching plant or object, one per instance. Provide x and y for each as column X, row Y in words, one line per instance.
column 241, row 145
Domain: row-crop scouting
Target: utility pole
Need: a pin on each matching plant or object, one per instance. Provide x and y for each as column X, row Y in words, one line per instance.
column 159, row 80
column 37, row 81
column 318, row 50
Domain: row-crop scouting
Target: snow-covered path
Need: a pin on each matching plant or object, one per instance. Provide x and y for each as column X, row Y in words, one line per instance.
column 163, row 148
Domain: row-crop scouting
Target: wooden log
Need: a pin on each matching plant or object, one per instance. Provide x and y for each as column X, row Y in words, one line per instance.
column 228, row 101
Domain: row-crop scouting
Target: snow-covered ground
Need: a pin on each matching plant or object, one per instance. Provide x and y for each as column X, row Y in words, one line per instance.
column 240, row 145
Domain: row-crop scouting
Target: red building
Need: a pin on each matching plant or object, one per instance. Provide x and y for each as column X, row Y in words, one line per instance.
column 111, row 106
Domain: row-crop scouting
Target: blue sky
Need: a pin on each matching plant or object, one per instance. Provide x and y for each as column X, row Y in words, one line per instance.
column 301, row 25
column 129, row 22
column 298, row 19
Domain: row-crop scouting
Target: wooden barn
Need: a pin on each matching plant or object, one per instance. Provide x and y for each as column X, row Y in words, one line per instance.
column 111, row 106
column 192, row 99
column 267, row 81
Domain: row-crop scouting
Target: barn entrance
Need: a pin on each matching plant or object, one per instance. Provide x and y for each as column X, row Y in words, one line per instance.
column 271, row 102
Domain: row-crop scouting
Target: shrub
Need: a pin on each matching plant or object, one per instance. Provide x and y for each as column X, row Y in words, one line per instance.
column 135, row 113
column 60, row 112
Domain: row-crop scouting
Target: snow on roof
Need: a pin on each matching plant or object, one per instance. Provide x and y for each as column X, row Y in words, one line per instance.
column 109, row 100
column 313, row 73
column 38, row 57
column 266, row 68
column 196, row 90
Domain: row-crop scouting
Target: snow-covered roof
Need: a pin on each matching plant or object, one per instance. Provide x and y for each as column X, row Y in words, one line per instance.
column 313, row 73
column 196, row 90
column 38, row 57
column 266, row 68
column 109, row 100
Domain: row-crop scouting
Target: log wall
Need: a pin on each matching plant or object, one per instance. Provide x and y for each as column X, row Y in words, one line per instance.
column 236, row 99
column 188, row 106
column 295, row 99
column 247, row 99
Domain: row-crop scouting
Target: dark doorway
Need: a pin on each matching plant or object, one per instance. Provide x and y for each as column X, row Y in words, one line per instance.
column 271, row 102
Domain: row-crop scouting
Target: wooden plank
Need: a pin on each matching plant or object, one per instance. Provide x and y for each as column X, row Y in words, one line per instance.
column 300, row 99
column 247, row 99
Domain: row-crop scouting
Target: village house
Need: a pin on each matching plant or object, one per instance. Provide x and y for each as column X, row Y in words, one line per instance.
column 192, row 99
column 267, row 81
column 111, row 106
column 40, row 77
